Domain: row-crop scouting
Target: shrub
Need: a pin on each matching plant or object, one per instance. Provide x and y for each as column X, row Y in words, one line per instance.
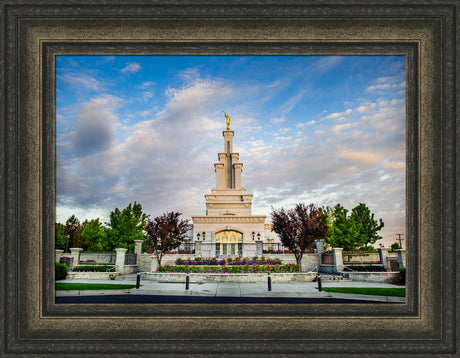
column 369, row 268
column 401, row 280
column 92, row 268
column 61, row 271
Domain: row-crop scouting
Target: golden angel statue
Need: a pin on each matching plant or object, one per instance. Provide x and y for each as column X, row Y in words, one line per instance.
column 228, row 120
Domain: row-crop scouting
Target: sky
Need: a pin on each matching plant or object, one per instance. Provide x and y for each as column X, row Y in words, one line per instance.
column 308, row 129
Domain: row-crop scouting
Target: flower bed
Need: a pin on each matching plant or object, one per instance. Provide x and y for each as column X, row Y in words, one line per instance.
column 255, row 268
column 229, row 261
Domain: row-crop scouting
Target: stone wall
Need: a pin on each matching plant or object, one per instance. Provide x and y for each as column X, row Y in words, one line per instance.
column 387, row 276
column 234, row 277
column 91, row 275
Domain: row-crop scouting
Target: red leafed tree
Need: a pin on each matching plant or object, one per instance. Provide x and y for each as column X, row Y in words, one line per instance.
column 165, row 233
column 298, row 228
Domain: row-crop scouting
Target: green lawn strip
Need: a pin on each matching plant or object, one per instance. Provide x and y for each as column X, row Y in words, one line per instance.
column 64, row 286
column 377, row 291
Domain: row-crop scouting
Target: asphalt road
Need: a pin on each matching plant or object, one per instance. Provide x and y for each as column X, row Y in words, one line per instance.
column 202, row 299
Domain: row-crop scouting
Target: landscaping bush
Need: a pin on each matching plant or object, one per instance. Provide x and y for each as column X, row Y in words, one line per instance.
column 367, row 268
column 401, row 278
column 61, row 271
column 91, row 268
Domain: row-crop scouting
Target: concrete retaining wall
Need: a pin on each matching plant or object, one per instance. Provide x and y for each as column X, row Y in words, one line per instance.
column 234, row 277
column 91, row 275
column 330, row 269
column 387, row 276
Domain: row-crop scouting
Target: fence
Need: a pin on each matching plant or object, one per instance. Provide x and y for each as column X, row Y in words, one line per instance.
column 275, row 248
column 130, row 259
column 360, row 258
column 184, row 248
column 92, row 258
column 327, row 258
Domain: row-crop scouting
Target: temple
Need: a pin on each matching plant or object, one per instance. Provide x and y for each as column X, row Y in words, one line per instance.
column 229, row 228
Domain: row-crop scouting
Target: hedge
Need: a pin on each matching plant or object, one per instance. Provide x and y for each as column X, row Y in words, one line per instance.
column 61, row 270
column 92, row 268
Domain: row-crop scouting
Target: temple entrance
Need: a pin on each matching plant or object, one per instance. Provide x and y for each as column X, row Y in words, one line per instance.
column 229, row 243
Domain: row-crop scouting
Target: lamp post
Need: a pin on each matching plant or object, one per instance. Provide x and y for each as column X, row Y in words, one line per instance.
column 67, row 243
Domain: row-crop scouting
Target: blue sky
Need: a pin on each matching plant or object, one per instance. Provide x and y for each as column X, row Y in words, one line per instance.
column 312, row 129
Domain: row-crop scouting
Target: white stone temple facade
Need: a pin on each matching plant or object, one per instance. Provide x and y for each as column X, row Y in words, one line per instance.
column 229, row 228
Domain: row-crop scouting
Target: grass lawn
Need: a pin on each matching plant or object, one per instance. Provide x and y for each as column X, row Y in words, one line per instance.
column 378, row 291
column 61, row 286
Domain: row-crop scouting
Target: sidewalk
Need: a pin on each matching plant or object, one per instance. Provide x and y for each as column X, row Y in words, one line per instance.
column 307, row 289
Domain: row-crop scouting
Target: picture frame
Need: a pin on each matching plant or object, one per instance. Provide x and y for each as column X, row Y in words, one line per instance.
column 38, row 30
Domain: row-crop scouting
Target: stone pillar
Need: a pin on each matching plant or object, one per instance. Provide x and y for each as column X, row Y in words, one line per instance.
column 338, row 259
column 249, row 249
column 401, row 257
column 238, row 169
column 58, row 254
column 319, row 250
column 219, row 168
column 120, row 260
column 206, row 249
column 197, row 248
column 138, row 249
column 383, row 253
column 75, row 254
column 259, row 247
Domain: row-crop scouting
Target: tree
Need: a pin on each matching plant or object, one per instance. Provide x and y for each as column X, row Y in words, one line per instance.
column 341, row 231
column 94, row 234
column 366, row 227
column 60, row 237
column 125, row 226
column 165, row 233
column 298, row 228
column 395, row 247
column 73, row 229
column 355, row 231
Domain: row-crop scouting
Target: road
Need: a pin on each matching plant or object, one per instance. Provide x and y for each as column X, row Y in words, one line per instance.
column 126, row 298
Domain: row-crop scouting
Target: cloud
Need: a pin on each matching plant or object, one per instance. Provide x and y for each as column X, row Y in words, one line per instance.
column 360, row 157
column 95, row 125
column 309, row 123
column 339, row 114
column 277, row 120
column 131, row 67
column 84, row 80
column 151, row 157
column 386, row 83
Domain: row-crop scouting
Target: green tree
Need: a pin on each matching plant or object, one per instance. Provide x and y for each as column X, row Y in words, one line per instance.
column 365, row 225
column 342, row 232
column 395, row 247
column 298, row 228
column 94, row 234
column 60, row 236
column 125, row 226
column 165, row 233
column 355, row 231
column 73, row 229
